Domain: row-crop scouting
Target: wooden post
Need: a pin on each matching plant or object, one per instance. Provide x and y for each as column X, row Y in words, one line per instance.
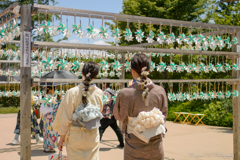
column 236, row 106
column 25, row 97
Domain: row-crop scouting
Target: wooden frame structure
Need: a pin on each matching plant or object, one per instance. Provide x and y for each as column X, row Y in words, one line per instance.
column 27, row 10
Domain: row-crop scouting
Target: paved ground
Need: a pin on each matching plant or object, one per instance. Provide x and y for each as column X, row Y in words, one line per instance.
column 182, row 142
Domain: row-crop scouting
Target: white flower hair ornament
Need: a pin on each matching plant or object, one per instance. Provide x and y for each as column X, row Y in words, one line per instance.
column 89, row 74
column 144, row 72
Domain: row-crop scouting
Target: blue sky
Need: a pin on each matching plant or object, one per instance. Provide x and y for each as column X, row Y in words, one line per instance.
column 112, row 6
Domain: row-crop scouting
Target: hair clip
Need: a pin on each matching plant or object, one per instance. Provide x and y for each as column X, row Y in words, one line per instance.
column 89, row 74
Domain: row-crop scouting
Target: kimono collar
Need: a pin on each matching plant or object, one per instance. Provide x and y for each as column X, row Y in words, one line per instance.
column 136, row 85
column 90, row 88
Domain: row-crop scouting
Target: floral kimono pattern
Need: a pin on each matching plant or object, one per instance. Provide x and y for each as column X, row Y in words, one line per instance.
column 50, row 137
column 35, row 129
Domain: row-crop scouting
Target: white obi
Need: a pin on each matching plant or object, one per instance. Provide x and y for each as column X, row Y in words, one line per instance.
column 147, row 124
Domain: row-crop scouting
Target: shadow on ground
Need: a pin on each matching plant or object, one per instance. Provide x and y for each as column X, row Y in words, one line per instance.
column 17, row 148
column 39, row 152
column 223, row 130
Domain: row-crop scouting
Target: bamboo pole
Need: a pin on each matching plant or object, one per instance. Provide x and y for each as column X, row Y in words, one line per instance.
column 128, row 80
column 128, row 48
column 131, row 18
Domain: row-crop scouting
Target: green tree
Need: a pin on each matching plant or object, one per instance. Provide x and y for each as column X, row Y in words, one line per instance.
column 226, row 13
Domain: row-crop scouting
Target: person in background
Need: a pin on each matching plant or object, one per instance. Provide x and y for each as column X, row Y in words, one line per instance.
column 81, row 107
column 48, row 111
column 35, row 129
column 108, row 117
column 143, row 109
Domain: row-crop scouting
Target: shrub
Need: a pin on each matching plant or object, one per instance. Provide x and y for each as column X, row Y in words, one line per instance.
column 217, row 112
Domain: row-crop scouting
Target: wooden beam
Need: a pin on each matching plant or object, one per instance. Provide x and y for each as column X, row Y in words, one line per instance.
column 36, row 80
column 131, row 18
column 8, row 19
column 12, row 42
column 25, row 77
column 10, row 82
column 236, row 107
column 9, row 9
column 128, row 48
column 228, row 0
column 17, row 62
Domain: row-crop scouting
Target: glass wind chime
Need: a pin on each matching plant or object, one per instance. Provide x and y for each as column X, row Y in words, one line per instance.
column 9, row 30
column 7, row 92
column 185, row 41
column 209, row 94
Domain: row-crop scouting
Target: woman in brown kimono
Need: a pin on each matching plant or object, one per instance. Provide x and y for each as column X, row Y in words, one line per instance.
column 143, row 109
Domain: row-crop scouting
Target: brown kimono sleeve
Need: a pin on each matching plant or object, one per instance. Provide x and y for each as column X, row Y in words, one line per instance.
column 164, row 104
column 120, row 110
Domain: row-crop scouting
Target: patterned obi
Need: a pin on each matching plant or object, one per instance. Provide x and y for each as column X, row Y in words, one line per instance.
column 147, row 124
column 88, row 116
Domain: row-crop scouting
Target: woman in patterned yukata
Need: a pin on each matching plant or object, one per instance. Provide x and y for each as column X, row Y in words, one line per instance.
column 143, row 109
column 35, row 128
column 80, row 105
column 48, row 111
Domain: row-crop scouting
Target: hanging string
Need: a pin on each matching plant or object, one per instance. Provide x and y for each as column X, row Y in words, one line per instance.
column 46, row 17
column 45, row 89
column 206, row 87
column 171, row 58
column 170, row 29
column 226, row 87
column 138, row 24
column 197, row 88
column 171, row 88
column 89, row 54
column 61, row 91
column 38, row 20
column 191, row 58
column 67, row 22
column 201, row 87
column 214, row 87
column 81, row 23
column 222, row 87
column 150, row 28
column 209, row 86
column 53, row 19
column 61, row 17
column 52, row 89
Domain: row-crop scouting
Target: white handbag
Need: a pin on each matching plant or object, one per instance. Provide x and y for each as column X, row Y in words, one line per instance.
column 57, row 156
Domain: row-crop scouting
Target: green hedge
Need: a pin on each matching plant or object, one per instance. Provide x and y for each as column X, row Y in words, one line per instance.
column 218, row 112
column 10, row 101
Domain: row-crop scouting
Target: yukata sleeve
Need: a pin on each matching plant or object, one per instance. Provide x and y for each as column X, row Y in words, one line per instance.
column 64, row 114
column 120, row 111
column 99, row 101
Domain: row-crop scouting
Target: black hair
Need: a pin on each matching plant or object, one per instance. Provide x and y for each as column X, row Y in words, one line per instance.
column 139, row 63
column 90, row 70
column 49, row 88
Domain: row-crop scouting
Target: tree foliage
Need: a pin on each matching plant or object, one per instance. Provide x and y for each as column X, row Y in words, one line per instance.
column 226, row 13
